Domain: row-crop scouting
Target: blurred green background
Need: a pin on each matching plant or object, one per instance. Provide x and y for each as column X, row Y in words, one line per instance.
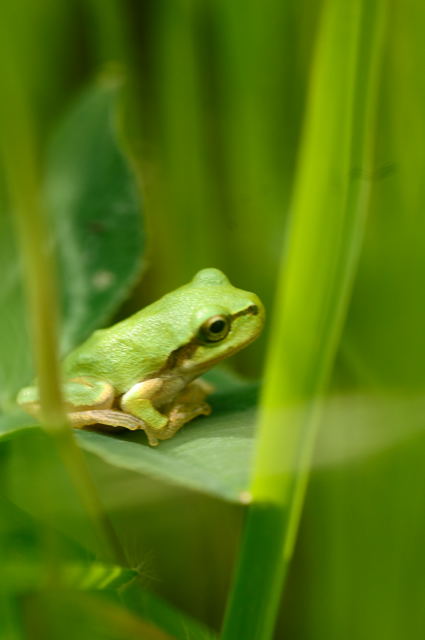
column 142, row 141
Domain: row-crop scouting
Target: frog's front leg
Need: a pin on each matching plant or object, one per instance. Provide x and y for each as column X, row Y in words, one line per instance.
column 138, row 401
column 187, row 405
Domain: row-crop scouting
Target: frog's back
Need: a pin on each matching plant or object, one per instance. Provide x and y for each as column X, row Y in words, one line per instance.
column 133, row 350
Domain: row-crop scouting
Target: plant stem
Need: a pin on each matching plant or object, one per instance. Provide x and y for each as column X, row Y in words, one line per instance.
column 329, row 205
column 18, row 155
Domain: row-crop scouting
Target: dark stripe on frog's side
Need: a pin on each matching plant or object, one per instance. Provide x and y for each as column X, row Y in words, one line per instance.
column 178, row 356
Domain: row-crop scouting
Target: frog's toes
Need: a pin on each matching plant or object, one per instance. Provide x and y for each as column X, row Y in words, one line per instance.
column 152, row 439
column 205, row 409
column 183, row 413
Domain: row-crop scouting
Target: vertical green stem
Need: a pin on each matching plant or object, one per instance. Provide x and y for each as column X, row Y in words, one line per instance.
column 110, row 31
column 19, row 158
column 329, row 204
column 187, row 180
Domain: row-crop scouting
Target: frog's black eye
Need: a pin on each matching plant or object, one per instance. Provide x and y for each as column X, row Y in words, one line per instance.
column 215, row 328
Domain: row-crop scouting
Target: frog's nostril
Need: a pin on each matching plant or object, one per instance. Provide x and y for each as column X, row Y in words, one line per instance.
column 253, row 310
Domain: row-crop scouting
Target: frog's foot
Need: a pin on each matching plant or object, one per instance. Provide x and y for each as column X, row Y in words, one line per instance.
column 107, row 417
column 162, row 425
column 188, row 405
column 179, row 414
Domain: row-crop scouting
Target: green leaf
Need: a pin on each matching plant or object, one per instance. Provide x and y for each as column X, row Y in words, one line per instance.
column 212, row 454
column 95, row 208
column 15, row 422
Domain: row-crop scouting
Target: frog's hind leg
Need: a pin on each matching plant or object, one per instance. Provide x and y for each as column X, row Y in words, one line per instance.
column 85, row 393
column 107, row 417
column 90, row 401
column 179, row 415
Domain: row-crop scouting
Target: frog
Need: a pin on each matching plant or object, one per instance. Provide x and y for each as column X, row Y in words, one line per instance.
column 145, row 372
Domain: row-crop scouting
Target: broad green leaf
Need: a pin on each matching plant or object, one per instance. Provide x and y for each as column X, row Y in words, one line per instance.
column 212, row 454
column 15, row 422
column 95, row 207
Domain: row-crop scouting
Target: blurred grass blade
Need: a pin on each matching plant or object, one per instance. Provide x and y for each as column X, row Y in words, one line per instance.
column 9, row 616
column 27, row 574
column 329, row 204
column 15, row 349
column 254, row 77
column 19, row 155
column 122, row 621
column 89, row 616
column 19, row 158
column 97, row 576
column 110, row 33
column 153, row 608
column 188, row 209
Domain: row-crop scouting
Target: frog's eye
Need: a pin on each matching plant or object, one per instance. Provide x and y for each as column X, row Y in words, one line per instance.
column 215, row 328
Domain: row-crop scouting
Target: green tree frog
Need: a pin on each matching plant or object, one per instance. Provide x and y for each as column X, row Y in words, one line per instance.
column 143, row 372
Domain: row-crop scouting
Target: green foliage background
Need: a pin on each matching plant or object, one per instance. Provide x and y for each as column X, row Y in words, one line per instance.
column 282, row 143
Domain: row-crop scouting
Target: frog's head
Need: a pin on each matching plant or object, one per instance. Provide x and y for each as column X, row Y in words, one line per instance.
column 223, row 319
